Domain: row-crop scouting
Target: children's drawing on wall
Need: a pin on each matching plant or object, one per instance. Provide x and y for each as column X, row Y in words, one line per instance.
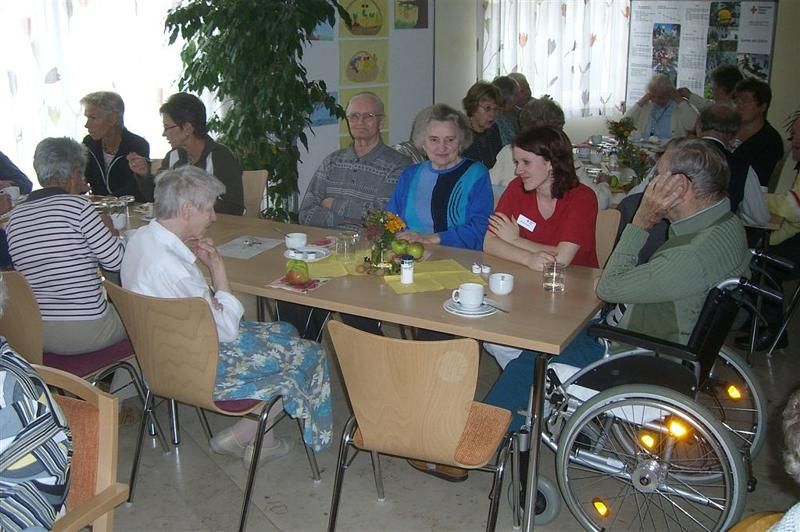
column 369, row 18
column 363, row 61
column 410, row 14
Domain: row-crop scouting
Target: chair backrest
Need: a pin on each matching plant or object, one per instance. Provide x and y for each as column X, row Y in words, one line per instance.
column 175, row 341
column 255, row 190
column 409, row 398
column 92, row 417
column 21, row 324
column 606, row 234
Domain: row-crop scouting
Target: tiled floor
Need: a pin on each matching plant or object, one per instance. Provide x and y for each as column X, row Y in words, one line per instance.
column 194, row 489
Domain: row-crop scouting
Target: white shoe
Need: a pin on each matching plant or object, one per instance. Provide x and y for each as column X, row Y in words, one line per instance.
column 280, row 448
column 225, row 442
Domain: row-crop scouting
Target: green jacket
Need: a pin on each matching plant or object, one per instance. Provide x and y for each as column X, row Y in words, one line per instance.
column 665, row 295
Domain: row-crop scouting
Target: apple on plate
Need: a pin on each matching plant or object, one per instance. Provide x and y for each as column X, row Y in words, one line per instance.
column 297, row 272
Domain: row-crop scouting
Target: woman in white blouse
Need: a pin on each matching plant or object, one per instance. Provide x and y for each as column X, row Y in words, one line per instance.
column 256, row 360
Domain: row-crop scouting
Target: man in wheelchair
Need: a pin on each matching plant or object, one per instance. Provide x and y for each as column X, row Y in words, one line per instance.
column 663, row 297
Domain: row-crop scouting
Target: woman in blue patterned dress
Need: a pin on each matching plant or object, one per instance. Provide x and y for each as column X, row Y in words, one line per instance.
column 256, row 360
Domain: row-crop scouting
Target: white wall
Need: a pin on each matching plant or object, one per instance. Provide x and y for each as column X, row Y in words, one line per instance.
column 456, row 55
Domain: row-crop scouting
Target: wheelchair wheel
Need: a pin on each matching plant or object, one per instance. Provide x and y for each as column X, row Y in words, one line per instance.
column 734, row 396
column 685, row 471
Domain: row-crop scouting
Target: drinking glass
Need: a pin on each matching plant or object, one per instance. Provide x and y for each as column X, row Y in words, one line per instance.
column 553, row 277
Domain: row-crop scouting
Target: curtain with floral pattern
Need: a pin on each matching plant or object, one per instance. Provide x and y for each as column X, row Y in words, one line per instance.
column 56, row 51
column 574, row 50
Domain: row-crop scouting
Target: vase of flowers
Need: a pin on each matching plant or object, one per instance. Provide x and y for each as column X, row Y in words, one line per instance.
column 635, row 158
column 621, row 129
column 380, row 228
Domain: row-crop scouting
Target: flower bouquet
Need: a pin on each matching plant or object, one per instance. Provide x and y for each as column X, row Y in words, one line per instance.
column 380, row 228
column 621, row 129
column 635, row 158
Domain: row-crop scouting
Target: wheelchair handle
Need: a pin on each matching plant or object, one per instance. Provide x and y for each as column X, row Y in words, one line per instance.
column 777, row 261
column 747, row 284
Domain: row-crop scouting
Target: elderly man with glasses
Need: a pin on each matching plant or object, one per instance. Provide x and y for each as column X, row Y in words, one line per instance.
column 358, row 178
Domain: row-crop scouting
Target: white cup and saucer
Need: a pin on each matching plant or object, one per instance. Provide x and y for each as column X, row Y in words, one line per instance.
column 468, row 300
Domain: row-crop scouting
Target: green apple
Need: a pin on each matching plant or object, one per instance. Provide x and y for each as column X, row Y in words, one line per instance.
column 399, row 246
column 415, row 249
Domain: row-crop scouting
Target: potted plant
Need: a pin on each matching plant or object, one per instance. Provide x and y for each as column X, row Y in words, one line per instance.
column 249, row 53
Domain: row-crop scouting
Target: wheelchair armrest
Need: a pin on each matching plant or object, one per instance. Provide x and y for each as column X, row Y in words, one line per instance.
column 643, row 341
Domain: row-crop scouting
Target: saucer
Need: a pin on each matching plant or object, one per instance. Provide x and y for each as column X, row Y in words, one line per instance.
column 455, row 308
column 307, row 253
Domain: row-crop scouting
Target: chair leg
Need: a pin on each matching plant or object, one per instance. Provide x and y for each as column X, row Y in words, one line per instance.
column 322, row 329
column 497, row 484
column 341, row 465
column 204, row 422
column 378, row 474
column 310, row 454
column 148, row 411
column 251, row 475
column 515, row 481
column 174, row 423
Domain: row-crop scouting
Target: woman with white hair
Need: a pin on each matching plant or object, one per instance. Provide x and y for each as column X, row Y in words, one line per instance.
column 58, row 241
column 256, row 360
column 661, row 112
column 110, row 144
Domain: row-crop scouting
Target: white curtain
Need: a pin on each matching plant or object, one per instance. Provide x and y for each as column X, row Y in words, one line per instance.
column 574, row 50
column 56, row 51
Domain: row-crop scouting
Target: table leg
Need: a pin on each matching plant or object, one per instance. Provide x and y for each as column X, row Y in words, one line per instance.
column 535, row 440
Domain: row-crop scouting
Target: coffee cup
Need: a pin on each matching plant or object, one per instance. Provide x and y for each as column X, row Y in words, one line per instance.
column 296, row 240
column 584, row 152
column 11, row 192
column 119, row 221
column 501, row 283
column 597, row 139
column 469, row 295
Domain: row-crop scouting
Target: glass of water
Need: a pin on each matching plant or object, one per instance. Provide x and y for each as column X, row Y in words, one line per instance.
column 553, row 277
column 346, row 246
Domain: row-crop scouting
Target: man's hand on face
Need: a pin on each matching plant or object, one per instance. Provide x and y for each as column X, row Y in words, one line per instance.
column 663, row 194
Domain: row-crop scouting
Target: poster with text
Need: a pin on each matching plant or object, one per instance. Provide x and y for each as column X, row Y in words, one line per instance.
column 687, row 40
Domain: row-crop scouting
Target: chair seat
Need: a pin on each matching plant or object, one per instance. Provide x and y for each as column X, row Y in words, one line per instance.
column 486, row 427
column 88, row 363
column 238, row 405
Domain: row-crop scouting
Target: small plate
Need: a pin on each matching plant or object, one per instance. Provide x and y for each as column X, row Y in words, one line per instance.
column 455, row 308
column 307, row 253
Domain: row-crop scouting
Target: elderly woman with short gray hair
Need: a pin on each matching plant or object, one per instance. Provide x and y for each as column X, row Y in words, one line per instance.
column 256, row 360
column 111, row 146
column 57, row 240
column 448, row 199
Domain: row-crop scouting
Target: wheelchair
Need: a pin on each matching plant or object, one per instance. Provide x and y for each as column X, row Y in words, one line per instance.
column 653, row 438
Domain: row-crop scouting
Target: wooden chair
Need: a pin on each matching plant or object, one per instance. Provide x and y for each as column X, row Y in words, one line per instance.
column 23, row 330
column 92, row 416
column 415, row 400
column 605, row 237
column 177, row 348
column 255, row 191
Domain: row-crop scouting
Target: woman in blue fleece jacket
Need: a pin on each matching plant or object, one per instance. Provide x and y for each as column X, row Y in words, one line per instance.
column 448, row 199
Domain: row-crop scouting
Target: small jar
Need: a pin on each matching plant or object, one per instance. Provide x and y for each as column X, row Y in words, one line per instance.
column 406, row 269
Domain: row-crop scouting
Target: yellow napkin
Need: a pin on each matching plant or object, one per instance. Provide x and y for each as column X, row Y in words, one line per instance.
column 326, row 268
column 423, row 282
column 436, row 266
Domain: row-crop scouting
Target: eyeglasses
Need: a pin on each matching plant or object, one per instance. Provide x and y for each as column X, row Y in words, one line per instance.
column 167, row 128
column 488, row 108
column 366, row 117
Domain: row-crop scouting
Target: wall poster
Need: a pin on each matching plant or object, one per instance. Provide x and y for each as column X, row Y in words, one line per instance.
column 688, row 39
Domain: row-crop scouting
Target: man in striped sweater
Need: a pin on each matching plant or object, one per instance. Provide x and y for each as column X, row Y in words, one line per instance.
column 57, row 241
